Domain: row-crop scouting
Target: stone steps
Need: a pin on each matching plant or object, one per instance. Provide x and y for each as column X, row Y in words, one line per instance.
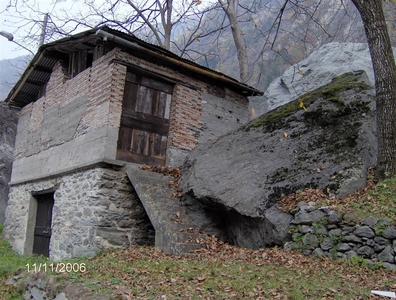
column 168, row 217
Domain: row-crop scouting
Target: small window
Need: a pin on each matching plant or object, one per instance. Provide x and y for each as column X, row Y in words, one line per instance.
column 79, row 61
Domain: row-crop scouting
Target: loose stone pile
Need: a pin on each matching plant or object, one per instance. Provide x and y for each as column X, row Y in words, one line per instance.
column 324, row 232
column 37, row 287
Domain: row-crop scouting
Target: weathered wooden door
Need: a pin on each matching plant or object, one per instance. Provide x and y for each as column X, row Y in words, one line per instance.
column 145, row 120
column 42, row 230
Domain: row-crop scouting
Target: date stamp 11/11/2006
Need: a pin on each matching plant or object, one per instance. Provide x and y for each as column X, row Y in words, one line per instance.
column 56, row 267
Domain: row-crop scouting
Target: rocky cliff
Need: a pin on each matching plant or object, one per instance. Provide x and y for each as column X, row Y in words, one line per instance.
column 8, row 125
column 324, row 139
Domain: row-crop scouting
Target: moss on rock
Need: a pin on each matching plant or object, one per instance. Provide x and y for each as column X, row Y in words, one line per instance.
column 329, row 93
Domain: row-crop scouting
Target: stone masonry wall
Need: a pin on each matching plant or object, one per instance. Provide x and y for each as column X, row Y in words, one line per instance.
column 324, row 232
column 93, row 210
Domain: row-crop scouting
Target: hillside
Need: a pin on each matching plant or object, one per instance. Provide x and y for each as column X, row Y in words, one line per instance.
column 297, row 36
column 10, row 70
column 219, row 271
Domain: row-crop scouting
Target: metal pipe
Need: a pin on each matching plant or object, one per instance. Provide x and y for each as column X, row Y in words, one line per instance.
column 108, row 36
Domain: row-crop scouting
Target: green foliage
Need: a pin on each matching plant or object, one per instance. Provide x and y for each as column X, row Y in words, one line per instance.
column 379, row 202
column 380, row 228
column 10, row 262
column 359, row 262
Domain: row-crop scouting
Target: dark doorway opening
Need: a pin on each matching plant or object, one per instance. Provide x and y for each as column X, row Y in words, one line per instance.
column 42, row 230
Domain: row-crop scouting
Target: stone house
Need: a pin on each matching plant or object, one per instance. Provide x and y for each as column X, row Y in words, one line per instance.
column 91, row 104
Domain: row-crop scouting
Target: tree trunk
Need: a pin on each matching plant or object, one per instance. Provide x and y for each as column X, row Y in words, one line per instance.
column 166, row 16
column 230, row 7
column 384, row 66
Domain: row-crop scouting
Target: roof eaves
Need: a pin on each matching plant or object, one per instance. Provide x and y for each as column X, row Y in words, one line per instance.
column 151, row 49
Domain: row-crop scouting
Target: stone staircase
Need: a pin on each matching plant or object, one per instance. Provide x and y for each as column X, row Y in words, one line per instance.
column 168, row 217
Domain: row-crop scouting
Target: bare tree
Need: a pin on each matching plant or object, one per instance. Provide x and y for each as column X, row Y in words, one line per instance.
column 231, row 9
column 154, row 21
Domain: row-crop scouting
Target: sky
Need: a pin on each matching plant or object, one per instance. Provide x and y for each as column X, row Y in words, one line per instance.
column 8, row 19
column 10, row 49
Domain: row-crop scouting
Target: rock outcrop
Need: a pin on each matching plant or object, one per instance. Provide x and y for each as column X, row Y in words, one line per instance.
column 8, row 126
column 318, row 69
column 232, row 184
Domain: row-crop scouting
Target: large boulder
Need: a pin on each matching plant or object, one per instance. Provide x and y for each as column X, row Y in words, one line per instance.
column 318, row 69
column 8, row 126
column 232, row 184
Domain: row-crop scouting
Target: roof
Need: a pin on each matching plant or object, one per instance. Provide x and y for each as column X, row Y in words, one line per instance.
column 39, row 70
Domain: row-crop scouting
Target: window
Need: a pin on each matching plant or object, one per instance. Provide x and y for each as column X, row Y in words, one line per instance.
column 79, row 61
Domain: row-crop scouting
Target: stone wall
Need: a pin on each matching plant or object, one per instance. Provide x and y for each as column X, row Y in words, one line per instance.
column 324, row 232
column 93, row 209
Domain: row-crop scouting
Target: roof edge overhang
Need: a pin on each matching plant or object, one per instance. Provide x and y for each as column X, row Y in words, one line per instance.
column 127, row 42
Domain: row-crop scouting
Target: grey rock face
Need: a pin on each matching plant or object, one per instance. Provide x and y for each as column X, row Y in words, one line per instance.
column 334, row 218
column 364, row 231
column 386, row 255
column 330, row 146
column 318, row 252
column 342, row 247
column 365, row 251
column 307, row 218
column 8, row 126
column 253, row 232
column 318, row 69
column 327, row 244
column 390, row 233
column 310, row 241
column 352, row 239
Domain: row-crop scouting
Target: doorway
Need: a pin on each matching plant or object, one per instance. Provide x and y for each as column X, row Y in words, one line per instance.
column 42, row 229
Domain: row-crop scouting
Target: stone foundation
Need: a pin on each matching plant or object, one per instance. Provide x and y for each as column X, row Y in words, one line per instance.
column 94, row 209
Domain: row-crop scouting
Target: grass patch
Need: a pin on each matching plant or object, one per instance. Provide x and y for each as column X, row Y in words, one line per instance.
column 378, row 202
column 11, row 262
column 220, row 271
column 228, row 272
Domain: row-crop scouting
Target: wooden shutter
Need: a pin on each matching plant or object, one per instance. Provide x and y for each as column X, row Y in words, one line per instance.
column 144, row 121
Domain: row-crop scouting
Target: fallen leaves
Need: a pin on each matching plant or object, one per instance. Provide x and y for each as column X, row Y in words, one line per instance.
column 174, row 172
column 287, row 203
column 165, row 170
column 223, row 271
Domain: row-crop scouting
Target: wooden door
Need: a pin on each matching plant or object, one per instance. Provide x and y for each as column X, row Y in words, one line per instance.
column 42, row 230
column 144, row 125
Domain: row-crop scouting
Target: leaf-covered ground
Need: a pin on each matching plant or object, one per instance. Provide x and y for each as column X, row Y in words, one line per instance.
column 219, row 271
